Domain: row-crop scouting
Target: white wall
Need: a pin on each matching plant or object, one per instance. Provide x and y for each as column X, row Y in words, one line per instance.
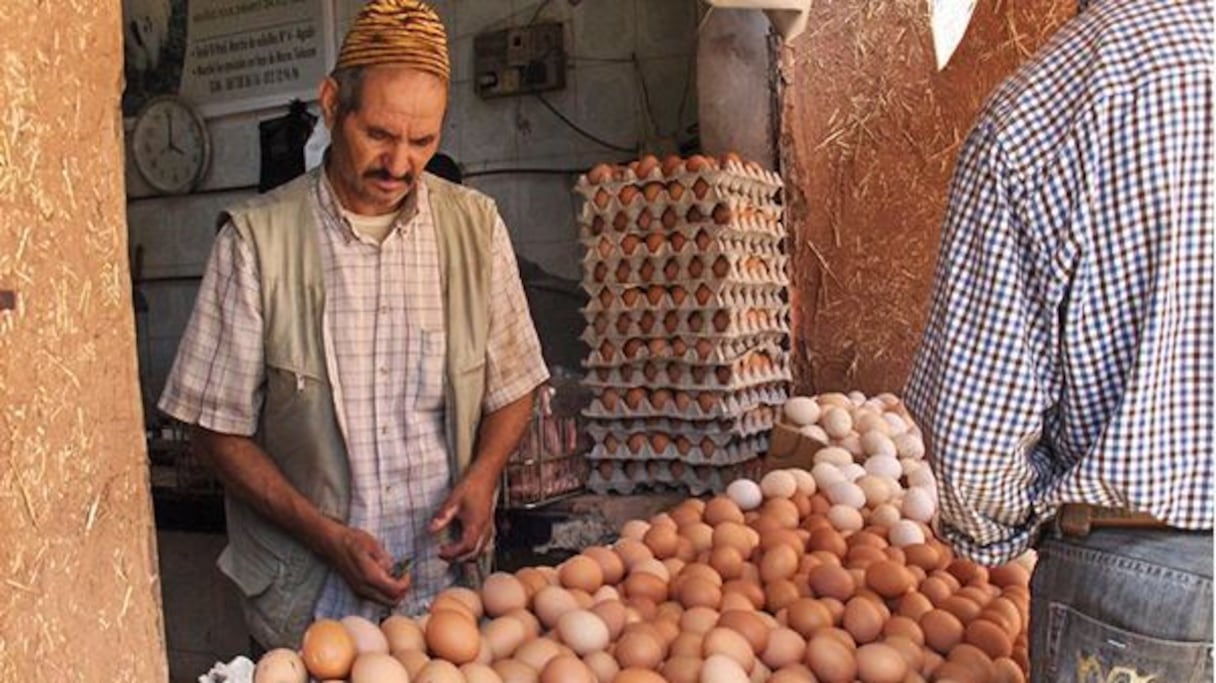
column 603, row 94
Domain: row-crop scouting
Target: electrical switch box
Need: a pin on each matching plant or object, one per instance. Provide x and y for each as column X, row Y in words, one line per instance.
column 520, row 61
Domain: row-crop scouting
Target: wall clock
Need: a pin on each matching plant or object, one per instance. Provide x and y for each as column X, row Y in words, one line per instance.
column 170, row 145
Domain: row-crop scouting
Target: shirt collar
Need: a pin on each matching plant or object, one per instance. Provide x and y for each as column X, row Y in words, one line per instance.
column 331, row 207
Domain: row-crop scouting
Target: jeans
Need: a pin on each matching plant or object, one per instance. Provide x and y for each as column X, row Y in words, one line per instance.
column 1122, row 606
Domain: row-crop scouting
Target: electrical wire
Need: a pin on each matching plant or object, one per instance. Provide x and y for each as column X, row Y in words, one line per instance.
column 576, row 128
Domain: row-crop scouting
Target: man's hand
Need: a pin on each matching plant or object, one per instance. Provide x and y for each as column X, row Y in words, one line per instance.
column 472, row 503
column 366, row 566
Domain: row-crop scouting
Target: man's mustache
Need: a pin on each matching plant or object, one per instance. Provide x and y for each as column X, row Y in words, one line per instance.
column 383, row 174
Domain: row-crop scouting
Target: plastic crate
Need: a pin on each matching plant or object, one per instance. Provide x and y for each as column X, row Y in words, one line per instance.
column 551, row 461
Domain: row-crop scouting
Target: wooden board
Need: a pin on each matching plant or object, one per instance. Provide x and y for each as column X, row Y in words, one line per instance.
column 79, row 591
column 869, row 135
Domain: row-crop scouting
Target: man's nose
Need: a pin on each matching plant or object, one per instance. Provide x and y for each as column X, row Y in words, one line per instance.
column 398, row 162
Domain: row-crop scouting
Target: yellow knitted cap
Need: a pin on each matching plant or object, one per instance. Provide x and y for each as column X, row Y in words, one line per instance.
column 397, row 32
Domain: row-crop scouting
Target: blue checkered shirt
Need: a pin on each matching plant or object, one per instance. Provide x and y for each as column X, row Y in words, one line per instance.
column 1068, row 352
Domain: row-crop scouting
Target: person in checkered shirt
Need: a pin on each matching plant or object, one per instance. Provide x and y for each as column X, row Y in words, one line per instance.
column 1068, row 354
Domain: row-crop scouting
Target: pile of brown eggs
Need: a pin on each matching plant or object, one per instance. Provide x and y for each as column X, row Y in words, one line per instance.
column 687, row 322
column 758, row 584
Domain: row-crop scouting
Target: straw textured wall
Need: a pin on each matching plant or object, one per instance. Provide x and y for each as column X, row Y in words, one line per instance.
column 870, row 133
column 79, row 593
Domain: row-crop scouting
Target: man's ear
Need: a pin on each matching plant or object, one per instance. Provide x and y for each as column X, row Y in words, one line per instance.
column 328, row 97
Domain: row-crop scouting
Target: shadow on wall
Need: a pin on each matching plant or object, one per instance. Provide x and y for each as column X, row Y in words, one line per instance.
column 556, row 304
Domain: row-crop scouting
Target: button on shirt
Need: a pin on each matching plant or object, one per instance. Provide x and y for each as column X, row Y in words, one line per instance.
column 1068, row 352
column 384, row 317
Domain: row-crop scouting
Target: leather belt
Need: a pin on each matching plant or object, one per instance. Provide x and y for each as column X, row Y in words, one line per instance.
column 1078, row 519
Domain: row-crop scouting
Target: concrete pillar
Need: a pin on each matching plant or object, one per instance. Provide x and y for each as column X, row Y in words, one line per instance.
column 735, row 91
column 79, row 591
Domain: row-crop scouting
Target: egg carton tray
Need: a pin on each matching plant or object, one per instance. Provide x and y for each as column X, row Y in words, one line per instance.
column 724, row 266
column 676, row 229
column 641, row 218
column 656, row 358
column 734, row 179
column 756, row 421
column 647, row 217
column 610, row 300
column 719, row 449
column 666, row 245
column 710, row 324
column 703, row 405
column 629, row 476
column 690, row 350
column 679, row 376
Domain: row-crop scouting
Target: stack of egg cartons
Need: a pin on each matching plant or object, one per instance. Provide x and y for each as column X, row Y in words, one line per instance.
column 688, row 321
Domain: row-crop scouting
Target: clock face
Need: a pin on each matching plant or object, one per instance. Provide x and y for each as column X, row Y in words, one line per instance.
column 170, row 146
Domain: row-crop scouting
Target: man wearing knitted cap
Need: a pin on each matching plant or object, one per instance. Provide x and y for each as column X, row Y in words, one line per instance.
column 361, row 360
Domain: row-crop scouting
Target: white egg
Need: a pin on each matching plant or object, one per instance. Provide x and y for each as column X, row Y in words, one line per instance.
column 896, row 421
column 868, row 420
column 806, row 482
column 877, row 490
column 918, row 504
column 857, row 397
column 905, row 532
column 884, row 466
column 826, row 474
column 846, row 493
column 836, row 422
column 922, row 477
column 852, row 471
column 367, row 636
column 815, row 433
column 885, row 515
column 801, row 410
column 746, row 494
column 852, row 444
column 874, row 442
column 280, row 665
column 845, row 518
column 910, row 465
column 909, row 445
column 834, row 455
column 778, row 484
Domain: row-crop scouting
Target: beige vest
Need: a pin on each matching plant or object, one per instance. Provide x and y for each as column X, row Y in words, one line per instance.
column 279, row 578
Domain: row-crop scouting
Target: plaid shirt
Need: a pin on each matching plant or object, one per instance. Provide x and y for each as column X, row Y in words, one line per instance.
column 384, row 313
column 1068, row 352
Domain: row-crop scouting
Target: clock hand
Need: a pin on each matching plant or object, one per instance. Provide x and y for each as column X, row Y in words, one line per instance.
column 173, row 147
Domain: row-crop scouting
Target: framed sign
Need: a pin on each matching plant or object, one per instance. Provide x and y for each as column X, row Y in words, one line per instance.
column 226, row 56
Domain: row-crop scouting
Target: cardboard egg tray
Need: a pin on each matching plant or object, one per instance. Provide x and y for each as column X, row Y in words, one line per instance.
column 655, row 358
column 702, row 405
column 733, row 180
column 628, row 476
column 640, row 218
column 662, row 245
column 689, row 269
column 709, row 324
column 718, row 449
column 689, row 349
column 611, row 299
column 761, row 420
column 657, row 375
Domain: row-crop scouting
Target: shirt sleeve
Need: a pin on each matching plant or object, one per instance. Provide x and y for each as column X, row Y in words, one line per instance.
column 217, row 379
column 978, row 385
column 514, row 364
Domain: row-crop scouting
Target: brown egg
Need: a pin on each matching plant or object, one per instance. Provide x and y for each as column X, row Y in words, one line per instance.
column 747, row 624
column 863, row 619
column 566, row 669
column 638, row 649
column 378, row 667
column 514, row 671
column 637, row 675
column 974, row 659
column 828, row 540
column 807, row 615
column 936, row 589
column 880, row 663
column 699, row 592
column 439, row 671
column 1007, row 671
column 611, row 566
column 403, row 633
column 721, row 509
column 833, row 582
column 942, row 630
column 830, row 660
column 475, row 672
column 961, row 607
column 502, row 592
column 682, row 669
column 889, row 579
column 785, row 646
column 581, row 572
column 327, row 649
column 740, row 593
column 989, row 637
column 724, row 641
column 662, row 541
column 632, row 552
column 603, row 665
column 412, row 660
column 1010, row 574
column 452, row 636
column 280, row 665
